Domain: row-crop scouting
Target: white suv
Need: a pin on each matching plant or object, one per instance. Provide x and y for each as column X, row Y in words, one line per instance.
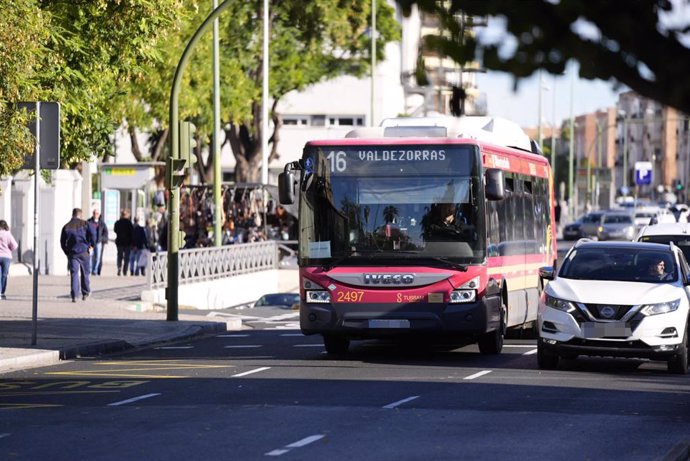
column 621, row 299
column 678, row 233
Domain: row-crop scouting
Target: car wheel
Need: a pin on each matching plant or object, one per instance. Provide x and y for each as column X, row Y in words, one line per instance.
column 336, row 345
column 679, row 363
column 492, row 342
column 547, row 360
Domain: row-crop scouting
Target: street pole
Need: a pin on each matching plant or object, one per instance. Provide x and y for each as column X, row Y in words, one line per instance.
column 217, row 175
column 373, row 61
column 553, row 129
column 174, row 210
column 625, row 153
column 37, row 174
column 571, row 160
column 264, row 100
column 540, row 134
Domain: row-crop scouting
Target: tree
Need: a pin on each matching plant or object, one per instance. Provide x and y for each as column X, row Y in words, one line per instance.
column 633, row 44
column 309, row 42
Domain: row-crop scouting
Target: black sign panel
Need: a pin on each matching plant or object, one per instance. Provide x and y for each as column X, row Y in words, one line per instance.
column 50, row 134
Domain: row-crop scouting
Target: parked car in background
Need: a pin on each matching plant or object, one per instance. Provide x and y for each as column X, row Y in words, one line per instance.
column 616, row 225
column 644, row 215
column 618, row 299
column 571, row 231
column 678, row 233
column 280, row 300
column 590, row 224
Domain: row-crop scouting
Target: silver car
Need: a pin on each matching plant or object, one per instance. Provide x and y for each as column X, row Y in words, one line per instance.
column 616, row 226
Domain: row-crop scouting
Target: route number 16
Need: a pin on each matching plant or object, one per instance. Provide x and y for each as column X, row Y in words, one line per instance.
column 337, row 160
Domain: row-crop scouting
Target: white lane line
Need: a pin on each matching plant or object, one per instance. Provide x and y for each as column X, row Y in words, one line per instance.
column 243, row 346
column 2, row 436
column 533, row 351
column 477, row 375
column 232, row 336
column 518, row 345
column 292, row 334
column 133, row 399
column 400, row 402
column 299, row 444
column 250, row 372
column 174, row 347
column 308, row 345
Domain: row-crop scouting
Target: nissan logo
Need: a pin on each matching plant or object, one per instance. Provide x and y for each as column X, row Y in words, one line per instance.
column 607, row 312
column 388, row 279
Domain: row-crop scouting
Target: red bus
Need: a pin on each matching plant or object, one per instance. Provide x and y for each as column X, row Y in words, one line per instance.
column 424, row 227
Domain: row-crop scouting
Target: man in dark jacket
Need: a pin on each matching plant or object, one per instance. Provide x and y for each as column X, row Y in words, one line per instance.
column 124, row 240
column 98, row 224
column 76, row 239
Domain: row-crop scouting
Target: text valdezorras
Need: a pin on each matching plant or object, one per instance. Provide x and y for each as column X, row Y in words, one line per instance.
column 421, row 155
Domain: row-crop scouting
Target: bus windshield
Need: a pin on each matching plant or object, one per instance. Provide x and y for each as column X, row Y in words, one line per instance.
column 392, row 211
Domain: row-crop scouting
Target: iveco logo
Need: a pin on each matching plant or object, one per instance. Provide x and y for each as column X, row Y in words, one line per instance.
column 388, row 279
column 607, row 312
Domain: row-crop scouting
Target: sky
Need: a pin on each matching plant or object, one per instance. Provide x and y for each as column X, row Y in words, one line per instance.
column 523, row 106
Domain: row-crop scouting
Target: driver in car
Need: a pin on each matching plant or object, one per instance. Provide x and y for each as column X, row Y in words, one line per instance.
column 657, row 269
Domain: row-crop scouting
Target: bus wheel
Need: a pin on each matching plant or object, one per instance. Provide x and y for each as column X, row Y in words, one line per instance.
column 492, row 342
column 336, row 345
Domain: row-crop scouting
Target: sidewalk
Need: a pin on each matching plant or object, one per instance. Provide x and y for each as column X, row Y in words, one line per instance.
column 112, row 319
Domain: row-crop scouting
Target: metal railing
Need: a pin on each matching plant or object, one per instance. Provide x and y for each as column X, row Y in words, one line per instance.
column 203, row 264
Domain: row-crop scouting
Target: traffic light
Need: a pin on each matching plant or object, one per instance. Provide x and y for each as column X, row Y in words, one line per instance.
column 187, row 143
column 174, row 169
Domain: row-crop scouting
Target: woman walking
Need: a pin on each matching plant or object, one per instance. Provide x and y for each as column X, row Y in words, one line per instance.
column 7, row 245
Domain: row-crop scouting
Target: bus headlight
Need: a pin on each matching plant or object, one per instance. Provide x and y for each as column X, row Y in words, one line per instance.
column 320, row 296
column 660, row 308
column 463, row 296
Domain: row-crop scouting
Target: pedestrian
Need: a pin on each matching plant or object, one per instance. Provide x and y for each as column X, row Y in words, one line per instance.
column 98, row 224
column 123, row 241
column 139, row 244
column 76, row 239
column 7, row 245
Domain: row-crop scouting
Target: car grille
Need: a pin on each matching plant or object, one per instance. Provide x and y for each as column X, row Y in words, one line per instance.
column 618, row 311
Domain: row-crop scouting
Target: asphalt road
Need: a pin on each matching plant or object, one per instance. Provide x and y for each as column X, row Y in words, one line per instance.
column 271, row 392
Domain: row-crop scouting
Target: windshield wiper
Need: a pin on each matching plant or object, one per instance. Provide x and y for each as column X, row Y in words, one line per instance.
column 446, row 261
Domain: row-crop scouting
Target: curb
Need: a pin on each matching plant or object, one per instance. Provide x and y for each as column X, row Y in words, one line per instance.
column 37, row 358
column 109, row 347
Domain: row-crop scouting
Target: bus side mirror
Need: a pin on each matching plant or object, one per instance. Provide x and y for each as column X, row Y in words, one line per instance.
column 495, row 189
column 286, row 187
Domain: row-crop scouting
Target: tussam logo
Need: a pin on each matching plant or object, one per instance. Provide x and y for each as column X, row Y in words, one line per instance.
column 388, row 279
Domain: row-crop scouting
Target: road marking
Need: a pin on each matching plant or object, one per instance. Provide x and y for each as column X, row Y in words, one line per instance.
column 174, row 347
column 250, row 372
column 518, row 345
column 26, row 406
column 308, row 345
column 2, row 436
column 477, row 375
column 299, row 444
column 243, row 346
column 133, row 399
column 533, row 351
column 400, row 402
column 292, row 334
column 232, row 336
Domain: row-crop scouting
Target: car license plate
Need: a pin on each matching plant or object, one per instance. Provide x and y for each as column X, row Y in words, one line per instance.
column 605, row 329
column 385, row 323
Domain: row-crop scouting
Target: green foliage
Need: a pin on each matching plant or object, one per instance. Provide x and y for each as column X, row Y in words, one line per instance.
column 630, row 44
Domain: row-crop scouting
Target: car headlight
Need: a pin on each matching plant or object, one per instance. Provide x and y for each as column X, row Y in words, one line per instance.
column 318, row 296
column 557, row 303
column 660, row 308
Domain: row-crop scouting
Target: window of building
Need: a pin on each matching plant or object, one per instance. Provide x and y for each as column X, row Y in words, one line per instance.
column 345, row 120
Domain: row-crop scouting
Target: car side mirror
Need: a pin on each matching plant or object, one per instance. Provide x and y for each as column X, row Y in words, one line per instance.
column 547, row 273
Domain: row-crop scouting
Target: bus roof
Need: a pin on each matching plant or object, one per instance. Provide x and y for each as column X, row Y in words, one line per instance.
column 493, row 130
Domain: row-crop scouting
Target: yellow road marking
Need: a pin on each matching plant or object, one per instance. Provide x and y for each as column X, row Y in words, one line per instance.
column 116, row 374
column 25, row 406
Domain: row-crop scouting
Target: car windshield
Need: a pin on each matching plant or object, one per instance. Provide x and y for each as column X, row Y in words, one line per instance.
column 681, row 241
column 278, row 299
column 617, row 219
column 620, row 264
